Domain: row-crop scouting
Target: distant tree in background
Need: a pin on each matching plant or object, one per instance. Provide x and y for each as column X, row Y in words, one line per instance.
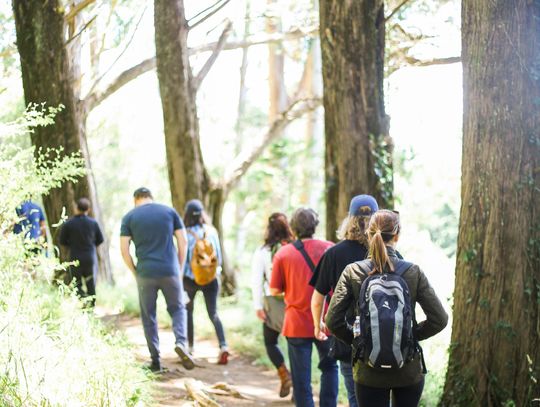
column 358, row 146
column 495, row 348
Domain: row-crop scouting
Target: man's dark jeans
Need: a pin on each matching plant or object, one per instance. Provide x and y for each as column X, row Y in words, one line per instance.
column 300, row 359
column 172, row 290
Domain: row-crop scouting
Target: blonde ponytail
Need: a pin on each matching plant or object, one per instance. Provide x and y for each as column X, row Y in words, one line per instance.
column 383, row 222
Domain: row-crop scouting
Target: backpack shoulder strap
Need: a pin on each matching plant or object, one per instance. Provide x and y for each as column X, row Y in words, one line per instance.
column 365, row 266
column 401, row 267
column 298, row 245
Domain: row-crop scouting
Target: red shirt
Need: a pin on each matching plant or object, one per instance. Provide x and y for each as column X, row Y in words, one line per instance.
column 291, row 274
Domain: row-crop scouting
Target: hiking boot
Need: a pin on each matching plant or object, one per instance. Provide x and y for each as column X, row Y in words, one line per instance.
column 286, row 382
column 223, row 357
column 185, row 358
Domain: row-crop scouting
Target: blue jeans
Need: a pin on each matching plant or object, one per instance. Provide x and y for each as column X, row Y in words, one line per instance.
column 300, row 360
column 172, row 290
column 347, row 373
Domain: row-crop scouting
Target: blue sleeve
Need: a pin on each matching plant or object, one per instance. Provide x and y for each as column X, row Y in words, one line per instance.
column 177, row 221
column 41, row 215
column 99, row 235
column 217, row 246
column 125, row 230
column 64, row 235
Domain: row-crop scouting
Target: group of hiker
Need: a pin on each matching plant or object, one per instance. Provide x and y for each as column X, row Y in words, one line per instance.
column 354, row 300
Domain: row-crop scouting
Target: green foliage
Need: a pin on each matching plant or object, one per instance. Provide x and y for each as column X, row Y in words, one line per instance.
column 52, row 352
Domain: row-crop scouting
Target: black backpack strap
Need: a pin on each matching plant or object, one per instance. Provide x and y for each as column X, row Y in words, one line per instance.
column 298, row 245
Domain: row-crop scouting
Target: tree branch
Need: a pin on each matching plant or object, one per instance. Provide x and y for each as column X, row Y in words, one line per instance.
column 213, row 9
column 430, row 62
column 246, row 158
column 95, row 98
column 394, row 11
column 82, row 29
column 77, row 8
column 258, row 40
column 212, row 59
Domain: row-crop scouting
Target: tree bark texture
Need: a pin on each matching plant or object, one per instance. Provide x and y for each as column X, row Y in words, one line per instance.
column 187, row 175
column 495, row 349
column 358, row 148
column 48, row 78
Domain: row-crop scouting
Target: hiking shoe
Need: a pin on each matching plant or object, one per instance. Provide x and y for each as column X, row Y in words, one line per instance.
column 223, row 357
column 185, row 358
column 286, row 382
column 154, row 366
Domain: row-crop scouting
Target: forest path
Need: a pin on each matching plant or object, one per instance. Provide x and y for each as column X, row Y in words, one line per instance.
column 258, row 385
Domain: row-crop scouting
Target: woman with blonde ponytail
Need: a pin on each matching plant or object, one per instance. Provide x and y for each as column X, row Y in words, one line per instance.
column 384, row 273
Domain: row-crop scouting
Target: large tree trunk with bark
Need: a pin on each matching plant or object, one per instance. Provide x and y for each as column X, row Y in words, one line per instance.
column 187, row 175
column 48, row 78
column 495, row 349
column 358, row 147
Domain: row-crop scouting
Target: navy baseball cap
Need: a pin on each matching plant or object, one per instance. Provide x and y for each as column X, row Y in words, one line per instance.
column 363, row 205
column 142, row 192
column 194, row 207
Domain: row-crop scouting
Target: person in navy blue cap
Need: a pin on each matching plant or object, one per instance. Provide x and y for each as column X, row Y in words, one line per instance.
column 352, row 247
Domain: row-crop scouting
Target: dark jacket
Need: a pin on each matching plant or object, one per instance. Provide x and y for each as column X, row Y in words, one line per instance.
column 346, row 297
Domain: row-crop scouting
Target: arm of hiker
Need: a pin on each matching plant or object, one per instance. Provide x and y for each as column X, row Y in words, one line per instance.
column 126, row 255
column 342, row 299
column 317, row 301
column 42, row 224
column 181, row 240
column 277, row 280
column 99, row 236
column 436, row 316
column 64, row 235
column 257, row 283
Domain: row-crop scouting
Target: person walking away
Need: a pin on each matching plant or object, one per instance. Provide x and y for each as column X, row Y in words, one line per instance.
column 385, row 290
column 202, row 272
column 292, row 268
column 269, row 309
column 81, row 235
column 353, row 247
column 32, row 224
column 151, row 227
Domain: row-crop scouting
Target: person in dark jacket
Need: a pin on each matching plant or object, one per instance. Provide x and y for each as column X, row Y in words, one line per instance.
column 373, row 386
column 353, row 247
column 81, row 235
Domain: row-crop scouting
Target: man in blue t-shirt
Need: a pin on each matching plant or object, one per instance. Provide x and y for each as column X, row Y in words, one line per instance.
column 151, row 227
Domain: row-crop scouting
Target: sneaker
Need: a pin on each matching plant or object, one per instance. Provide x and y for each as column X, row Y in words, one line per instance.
column 154, row 366
column 223, row 357
column 185, row 358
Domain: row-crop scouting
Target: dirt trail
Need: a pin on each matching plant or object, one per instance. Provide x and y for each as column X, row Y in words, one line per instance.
column 257, row 384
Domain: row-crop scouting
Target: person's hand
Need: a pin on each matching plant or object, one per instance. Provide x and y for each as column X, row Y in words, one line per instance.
column 261, row 315
column 320, row 334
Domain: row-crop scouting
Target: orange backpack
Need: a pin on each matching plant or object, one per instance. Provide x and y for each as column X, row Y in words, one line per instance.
column 204, row 260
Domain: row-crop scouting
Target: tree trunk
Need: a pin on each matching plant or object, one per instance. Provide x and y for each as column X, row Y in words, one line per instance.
column 276, row 67
column 187, row 175
column 48, row 77
column 495, row 349
column 358, row 147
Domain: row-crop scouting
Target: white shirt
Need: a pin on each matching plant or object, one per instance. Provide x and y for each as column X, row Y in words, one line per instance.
column 261, row 267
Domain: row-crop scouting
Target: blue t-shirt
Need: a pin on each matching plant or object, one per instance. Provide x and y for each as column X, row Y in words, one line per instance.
column 32, row 217
column 211, row 235
column 151, row 227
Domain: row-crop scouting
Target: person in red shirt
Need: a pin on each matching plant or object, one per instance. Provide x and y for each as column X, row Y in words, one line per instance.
column 292, row 270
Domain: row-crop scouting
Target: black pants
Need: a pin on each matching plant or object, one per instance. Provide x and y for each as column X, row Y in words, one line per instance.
column 380, row 397
column 84, row 272
column 272, row 348
column 210, row 292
